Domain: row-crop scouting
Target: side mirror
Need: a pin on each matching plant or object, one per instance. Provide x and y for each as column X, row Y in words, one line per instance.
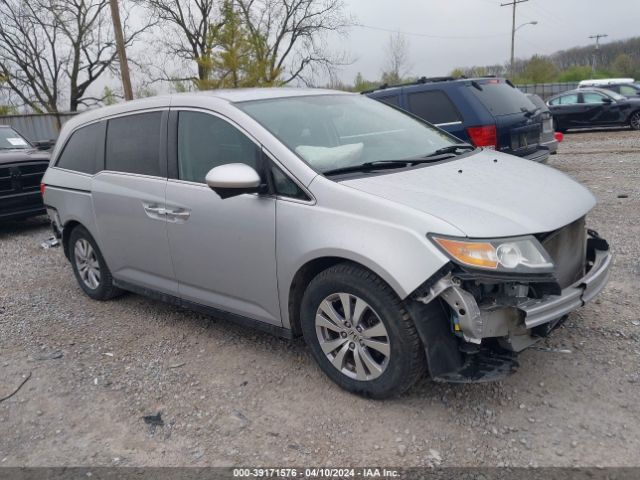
column 233, row 179
column 607, row 100
column 44, row 144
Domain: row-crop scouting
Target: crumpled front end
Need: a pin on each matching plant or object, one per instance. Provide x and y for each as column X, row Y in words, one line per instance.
column 495, row 316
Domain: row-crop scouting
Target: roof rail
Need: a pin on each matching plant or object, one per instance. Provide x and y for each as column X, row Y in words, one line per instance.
column 419, row 81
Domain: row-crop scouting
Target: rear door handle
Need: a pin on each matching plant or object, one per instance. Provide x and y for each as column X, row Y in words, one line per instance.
column 154, row 211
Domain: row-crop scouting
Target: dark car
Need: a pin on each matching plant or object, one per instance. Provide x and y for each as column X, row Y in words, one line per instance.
column 594, row 107
column 22, row 166
column 487, row 112
column 548, row 137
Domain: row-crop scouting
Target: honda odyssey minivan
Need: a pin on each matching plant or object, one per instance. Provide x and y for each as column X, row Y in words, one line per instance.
column 392, row 247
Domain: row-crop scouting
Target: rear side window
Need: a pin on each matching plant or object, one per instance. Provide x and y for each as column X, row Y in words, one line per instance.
column 206, row 141
column 133, row 144
column 79, row 153
column 501, row 98
column 566, row 100
column 434, row 107
column 626, row 90
column 390, row 100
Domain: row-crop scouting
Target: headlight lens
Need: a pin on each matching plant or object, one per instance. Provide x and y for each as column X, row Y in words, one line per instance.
column 522, row 254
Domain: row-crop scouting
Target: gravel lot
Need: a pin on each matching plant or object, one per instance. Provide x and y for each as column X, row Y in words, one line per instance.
column 232, row 396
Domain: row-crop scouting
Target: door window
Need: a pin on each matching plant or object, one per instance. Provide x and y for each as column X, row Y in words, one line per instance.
column 133, row 144
column 206, row 141
column 566, row 100
column 79, row 153
column 435, row 107
column 390, row 100
column 592, row 97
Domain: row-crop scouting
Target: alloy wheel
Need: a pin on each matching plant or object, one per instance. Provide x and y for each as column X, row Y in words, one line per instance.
column 635, row 121
column 352, row 336
column 87, row 263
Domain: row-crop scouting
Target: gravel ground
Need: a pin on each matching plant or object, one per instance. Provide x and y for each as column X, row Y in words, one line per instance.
column 232, row 396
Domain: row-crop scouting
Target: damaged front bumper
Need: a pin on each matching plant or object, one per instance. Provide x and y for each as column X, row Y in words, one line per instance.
column 513, row 317
column 492, row 327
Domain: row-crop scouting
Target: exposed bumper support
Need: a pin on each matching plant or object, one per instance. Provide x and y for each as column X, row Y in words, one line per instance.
column 539, row 311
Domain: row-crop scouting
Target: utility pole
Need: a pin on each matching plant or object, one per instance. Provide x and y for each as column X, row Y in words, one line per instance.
column 595, row 53
column 513, row 3
column 122, row 53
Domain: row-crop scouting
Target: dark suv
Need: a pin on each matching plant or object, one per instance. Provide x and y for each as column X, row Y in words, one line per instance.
column 22, row 166
column 487, row 112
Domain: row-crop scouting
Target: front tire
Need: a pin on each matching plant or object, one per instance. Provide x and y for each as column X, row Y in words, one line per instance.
column 89, row 267
column 360, row 333
column 634, row 120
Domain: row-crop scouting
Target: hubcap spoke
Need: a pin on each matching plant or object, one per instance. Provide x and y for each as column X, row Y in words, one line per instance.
column 377, row 330
column 371, row 364
column 358, row 310
column 346, row 306
column 321, row 321
column 329, row 346
column 382, row 347
column 329, row 311
column 361, row 373
column 338, row 360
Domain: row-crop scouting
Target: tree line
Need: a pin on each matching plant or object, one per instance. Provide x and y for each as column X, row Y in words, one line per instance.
column 54, row 54
column 614, row 59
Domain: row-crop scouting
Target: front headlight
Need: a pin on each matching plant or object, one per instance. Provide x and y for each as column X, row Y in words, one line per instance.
column 517, row 255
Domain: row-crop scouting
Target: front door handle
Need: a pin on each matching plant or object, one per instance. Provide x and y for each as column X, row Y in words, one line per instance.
column 178, row 215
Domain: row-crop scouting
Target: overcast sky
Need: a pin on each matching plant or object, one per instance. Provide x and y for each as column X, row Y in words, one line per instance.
column 561, row 24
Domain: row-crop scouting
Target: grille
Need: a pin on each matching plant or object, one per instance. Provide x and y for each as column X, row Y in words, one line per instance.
column 567, row 247
column 21, row 178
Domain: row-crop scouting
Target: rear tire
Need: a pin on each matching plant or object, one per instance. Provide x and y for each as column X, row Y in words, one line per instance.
column 374, row 349
column 89, row 267
column 634, row 120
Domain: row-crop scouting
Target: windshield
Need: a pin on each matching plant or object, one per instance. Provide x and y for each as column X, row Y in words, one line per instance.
column 11, row 140
column 336, row 131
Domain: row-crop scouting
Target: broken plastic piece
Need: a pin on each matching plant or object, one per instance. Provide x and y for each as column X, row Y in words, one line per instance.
column 50, row 243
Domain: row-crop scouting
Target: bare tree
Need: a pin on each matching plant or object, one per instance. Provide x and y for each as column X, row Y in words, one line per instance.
column 55, row 50
column 397, row 59
column 186, row 27
column 289, row 36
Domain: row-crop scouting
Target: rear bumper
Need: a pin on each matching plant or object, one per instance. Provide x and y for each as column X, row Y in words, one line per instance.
column 541, row 155
column 21, row 205
column 552, row 145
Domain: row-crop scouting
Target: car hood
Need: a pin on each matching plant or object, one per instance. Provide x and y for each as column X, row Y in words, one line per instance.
column 486, row 194
column 27, row 155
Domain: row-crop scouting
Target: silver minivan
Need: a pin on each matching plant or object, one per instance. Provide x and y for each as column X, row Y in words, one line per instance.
column 392, row 247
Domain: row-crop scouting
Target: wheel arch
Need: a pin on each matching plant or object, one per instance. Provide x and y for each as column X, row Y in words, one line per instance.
column 68, row 227
column 312, row 268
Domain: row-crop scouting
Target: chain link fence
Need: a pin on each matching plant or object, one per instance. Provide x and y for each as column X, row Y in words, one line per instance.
column 546, row 90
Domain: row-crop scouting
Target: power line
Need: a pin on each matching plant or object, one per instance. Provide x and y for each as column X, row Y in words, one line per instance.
column 513, row 4
column 427, row 35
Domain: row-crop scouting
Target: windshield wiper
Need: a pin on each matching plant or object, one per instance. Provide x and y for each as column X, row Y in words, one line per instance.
column 384, row 164
column 451, row 149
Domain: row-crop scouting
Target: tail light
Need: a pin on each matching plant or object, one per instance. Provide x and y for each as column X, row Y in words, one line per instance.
column 484, row 136
column 43, row 187
column 559, row 136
